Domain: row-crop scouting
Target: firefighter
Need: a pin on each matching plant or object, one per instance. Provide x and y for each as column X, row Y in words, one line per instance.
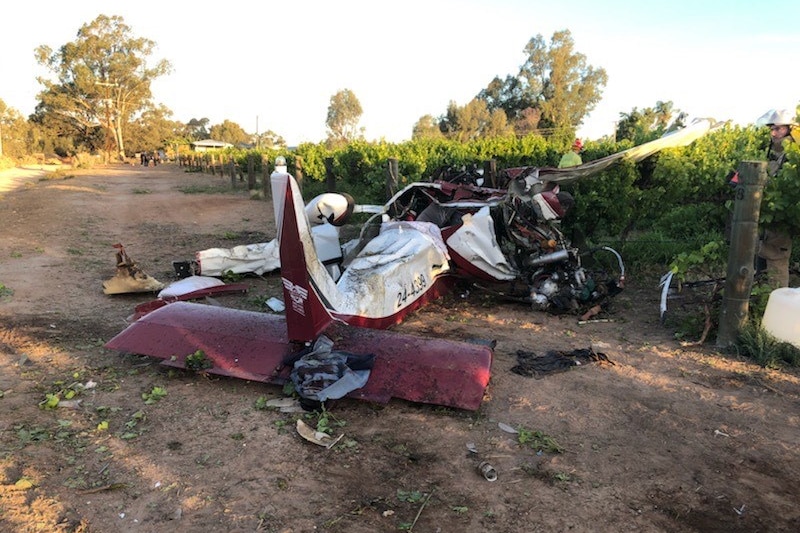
column 775, row 248
column 573, row 157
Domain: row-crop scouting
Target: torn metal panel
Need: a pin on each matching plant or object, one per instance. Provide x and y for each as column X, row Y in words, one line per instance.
column 129, row 278
column 240, row 344
column 147, row 307
column 257, row 258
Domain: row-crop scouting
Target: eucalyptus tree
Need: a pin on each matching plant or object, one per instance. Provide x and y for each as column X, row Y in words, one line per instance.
column 344, row 113
column 427, row 127
column 229, row 132
column 649, row 123
column 268, row 139
column 16, row 134
column 154, row 129
column 474, row 121
column 555, row 84
column 102, row 81
column 197, row 129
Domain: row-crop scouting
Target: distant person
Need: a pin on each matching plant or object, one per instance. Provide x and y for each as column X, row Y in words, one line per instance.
column 573, row 157
column 775, row 248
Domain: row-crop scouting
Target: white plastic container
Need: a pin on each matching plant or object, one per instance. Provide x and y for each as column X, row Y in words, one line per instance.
column 782, row 316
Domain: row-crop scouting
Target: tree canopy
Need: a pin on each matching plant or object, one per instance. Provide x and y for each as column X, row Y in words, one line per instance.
column 229, row 132
column 344, row 113
column 474, row 121
column 197, row 129
column 102, row 82
column 427, row 127
column 268, row 139
column 649, row 123
column 555, row 87
column 153, row 129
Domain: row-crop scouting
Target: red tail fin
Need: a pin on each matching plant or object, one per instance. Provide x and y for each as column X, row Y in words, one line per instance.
column 306, row 314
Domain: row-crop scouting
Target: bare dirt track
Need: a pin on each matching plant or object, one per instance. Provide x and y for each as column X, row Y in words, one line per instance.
column 668, row 438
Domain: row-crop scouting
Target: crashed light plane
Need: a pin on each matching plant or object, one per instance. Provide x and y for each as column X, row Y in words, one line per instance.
column 424, row 240
column 257, row 346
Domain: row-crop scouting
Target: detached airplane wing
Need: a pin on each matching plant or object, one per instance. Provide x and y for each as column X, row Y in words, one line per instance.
column 681, row 137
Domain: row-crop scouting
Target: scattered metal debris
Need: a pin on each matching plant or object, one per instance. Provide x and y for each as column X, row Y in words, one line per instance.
column 276, row 305
column 530, row 364
column 286, row 405
column 487, row 471
column 129, row 278
column 507, row 428
column 317, row 437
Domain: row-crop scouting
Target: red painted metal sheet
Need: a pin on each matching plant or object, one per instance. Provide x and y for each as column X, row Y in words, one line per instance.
column 418, row 369
column 241, row 344
column 147, row 307
column 252, row 346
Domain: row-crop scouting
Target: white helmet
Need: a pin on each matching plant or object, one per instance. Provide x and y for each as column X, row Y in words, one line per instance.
column 776, row 117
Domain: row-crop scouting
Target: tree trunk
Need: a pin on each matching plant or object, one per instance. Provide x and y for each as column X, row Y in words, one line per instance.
column 118, row 139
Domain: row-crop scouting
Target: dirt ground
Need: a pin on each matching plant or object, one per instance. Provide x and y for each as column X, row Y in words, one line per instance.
column 667, row 438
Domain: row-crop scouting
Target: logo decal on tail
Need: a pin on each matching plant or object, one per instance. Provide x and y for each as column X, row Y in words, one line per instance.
column 297, row 294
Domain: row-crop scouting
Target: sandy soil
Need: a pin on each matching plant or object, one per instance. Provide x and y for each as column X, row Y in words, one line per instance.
column 667, row 438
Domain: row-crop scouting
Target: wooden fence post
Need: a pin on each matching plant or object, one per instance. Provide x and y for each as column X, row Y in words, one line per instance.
column 265, row 164
column 232, row 169
column 392, row 177
column 251, row 172
column 298, row 171
column 741, row 256
column 490, row 172
column 330, row 178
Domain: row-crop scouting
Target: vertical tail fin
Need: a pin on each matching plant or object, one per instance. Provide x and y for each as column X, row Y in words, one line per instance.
column 303, row 275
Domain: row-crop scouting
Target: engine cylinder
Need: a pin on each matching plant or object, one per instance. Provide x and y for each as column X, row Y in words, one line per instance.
column 554, row 257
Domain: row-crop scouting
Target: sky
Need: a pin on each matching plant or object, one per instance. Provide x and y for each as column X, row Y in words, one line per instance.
column 275, row 65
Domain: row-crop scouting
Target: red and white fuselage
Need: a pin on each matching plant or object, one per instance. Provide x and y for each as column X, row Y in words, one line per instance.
column 393, row 275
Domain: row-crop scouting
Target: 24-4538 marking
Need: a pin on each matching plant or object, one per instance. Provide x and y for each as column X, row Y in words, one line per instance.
column 411, row 290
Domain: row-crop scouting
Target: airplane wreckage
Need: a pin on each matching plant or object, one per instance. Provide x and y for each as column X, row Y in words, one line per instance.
column 427, row 238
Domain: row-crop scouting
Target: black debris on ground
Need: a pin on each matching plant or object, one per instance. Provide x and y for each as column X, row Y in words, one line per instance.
column 529, row 364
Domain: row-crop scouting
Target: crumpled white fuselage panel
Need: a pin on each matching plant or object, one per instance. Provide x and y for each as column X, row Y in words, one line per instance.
column 393, row 270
